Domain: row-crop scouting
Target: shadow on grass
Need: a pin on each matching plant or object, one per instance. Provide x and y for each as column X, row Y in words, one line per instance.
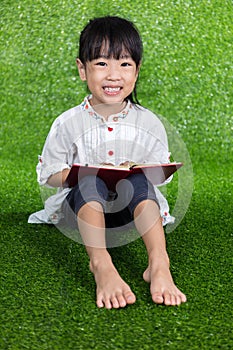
column 45, row 248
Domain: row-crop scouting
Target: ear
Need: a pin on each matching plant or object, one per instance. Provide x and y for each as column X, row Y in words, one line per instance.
column 138, row 69
column 81, row 70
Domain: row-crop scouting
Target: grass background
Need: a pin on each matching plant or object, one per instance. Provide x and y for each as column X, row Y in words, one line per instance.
column 46, row 290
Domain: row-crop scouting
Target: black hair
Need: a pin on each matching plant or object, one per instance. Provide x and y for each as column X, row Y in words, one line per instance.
column 118, row 34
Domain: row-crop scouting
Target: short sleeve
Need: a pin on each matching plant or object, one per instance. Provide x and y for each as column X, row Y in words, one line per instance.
column 54, row 156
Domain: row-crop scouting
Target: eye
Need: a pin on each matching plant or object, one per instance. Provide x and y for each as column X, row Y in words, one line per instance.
column 126, row 64
column 102, row 64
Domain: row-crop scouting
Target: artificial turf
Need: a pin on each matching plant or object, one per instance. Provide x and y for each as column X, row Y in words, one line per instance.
column 47, row 294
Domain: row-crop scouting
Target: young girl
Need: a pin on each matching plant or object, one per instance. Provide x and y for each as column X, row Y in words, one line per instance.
column 110, row 127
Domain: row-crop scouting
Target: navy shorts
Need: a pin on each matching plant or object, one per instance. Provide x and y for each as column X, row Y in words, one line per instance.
column 118, row 207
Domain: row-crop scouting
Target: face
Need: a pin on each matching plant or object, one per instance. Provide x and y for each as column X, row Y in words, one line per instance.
column 109, row 80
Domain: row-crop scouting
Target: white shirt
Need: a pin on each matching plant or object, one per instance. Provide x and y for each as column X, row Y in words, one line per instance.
column 80, row 135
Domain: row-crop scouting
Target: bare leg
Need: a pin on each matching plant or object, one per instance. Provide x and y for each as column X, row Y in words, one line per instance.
column 149, row 225
column 112, row 291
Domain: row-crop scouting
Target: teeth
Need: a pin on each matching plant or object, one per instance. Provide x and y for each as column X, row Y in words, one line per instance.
column 111, row 89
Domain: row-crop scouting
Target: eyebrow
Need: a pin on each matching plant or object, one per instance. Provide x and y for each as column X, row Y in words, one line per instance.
column 123, row 56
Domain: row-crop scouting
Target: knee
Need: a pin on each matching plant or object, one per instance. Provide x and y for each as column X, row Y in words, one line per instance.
column 90, row 208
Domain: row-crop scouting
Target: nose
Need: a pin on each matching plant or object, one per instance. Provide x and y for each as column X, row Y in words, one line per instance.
column 113, row 71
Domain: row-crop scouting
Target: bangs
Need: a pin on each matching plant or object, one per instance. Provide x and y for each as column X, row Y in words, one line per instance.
column 103, row 47
column 110, row 37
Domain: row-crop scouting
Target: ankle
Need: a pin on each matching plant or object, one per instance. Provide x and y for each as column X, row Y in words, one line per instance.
column 99, row 259
column 158, row 258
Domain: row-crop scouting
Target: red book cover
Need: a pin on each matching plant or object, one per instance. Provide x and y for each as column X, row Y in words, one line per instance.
column 155, row 173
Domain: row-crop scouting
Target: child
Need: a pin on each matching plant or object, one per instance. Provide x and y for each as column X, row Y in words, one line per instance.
column 110, row 127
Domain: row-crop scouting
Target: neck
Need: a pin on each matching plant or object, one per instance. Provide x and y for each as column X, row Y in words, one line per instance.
column 105, row 110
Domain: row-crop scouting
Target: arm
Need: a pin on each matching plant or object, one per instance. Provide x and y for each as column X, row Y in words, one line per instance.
column 53, row 166
column 58, row 179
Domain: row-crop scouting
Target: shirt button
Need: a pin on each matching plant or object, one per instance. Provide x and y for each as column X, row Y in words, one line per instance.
column 110, row 153
column 115, row 119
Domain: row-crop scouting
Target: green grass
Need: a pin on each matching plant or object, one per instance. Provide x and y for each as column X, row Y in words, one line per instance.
column 46, row 290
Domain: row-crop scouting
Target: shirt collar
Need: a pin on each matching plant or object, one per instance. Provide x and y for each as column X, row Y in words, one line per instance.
column 87, row 107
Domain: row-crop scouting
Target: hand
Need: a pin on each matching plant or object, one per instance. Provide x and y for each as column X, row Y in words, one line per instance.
column 127, row 164
column 108, row 164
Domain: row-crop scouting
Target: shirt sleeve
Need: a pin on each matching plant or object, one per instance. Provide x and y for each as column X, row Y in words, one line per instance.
column 159, row 145
column 54, row 156
column 158, row 142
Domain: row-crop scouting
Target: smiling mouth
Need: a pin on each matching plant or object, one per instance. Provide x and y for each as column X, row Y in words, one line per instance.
column 112, row 89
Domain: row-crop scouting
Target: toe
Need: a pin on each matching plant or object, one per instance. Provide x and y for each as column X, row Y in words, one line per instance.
column 173, row 300
column 168, row 298
column 108, row 304
column 99, row 303
column 121, row 300
column 115, row 303
column 183, row 298
column 130, row 297
column 157, row 298
column 178, row 300
column 103, row 301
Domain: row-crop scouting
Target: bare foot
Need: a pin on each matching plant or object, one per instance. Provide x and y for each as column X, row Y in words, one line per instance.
column 163, row 290
column 111, row 291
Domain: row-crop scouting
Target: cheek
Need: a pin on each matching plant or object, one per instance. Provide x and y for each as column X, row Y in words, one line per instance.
column 134, row 80
column 135, row 76
column 94, row 76
column 131, row 78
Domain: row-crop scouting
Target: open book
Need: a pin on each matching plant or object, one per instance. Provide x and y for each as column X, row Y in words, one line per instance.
column 155, row 173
